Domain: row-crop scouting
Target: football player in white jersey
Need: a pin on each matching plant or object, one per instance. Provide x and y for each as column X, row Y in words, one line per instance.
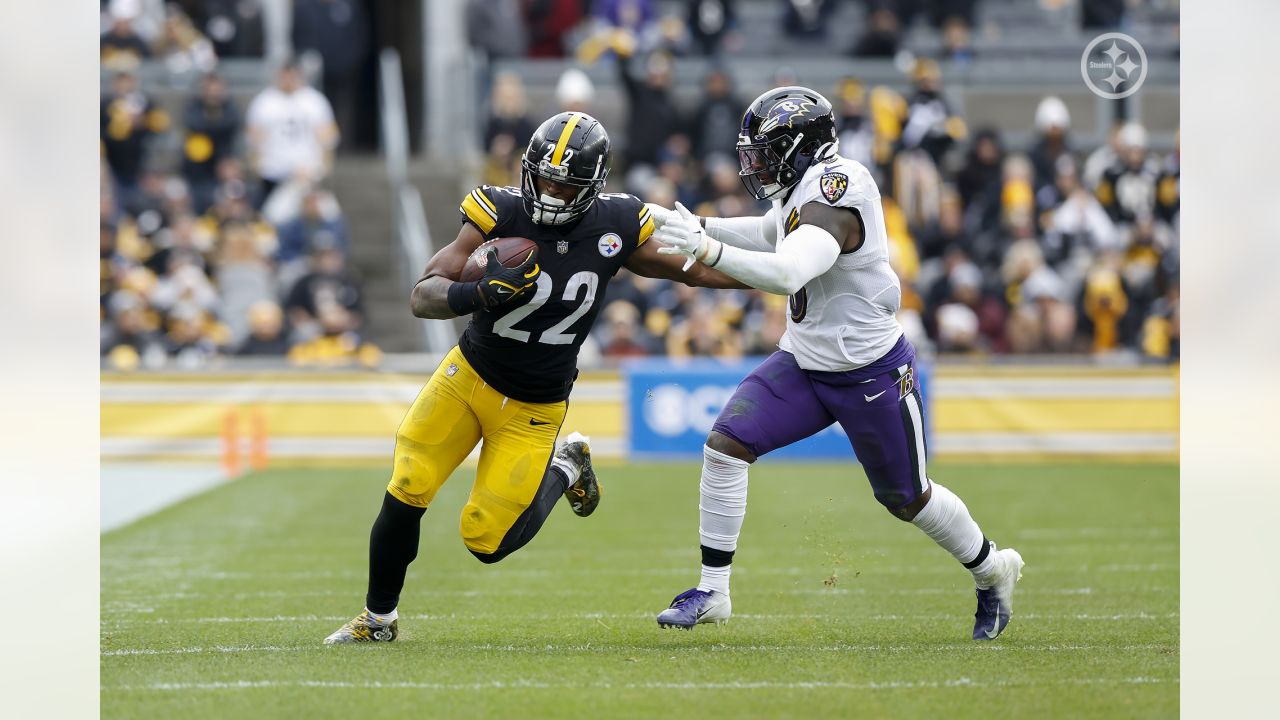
column 844, row 357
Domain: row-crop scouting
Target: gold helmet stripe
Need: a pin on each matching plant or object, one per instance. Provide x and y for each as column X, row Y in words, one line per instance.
column 558, row 155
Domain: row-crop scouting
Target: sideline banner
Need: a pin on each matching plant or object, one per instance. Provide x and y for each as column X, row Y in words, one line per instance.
column 671, row 406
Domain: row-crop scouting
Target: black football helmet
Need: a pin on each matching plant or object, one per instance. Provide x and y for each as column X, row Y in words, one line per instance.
column 571, row 148
column 784, row 131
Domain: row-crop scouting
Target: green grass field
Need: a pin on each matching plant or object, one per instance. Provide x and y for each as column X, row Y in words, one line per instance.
column 217, row 607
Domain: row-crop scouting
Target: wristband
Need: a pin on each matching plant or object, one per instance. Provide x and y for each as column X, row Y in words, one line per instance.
column 464, row 298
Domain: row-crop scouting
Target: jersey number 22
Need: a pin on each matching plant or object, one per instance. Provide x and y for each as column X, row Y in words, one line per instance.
column 554, row 335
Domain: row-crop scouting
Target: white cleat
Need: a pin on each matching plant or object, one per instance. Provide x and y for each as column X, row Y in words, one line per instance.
column 694, row 606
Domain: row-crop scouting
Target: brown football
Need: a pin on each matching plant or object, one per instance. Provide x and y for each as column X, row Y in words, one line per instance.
column 512, row 252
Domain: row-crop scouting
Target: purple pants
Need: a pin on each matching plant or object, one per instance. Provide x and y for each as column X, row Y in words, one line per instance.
column 878, row 406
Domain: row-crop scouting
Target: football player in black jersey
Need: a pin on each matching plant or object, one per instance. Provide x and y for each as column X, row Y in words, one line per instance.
column 508, row 381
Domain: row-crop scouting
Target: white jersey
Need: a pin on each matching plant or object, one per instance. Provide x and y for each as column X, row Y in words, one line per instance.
column 289, row 123
column 845, row 318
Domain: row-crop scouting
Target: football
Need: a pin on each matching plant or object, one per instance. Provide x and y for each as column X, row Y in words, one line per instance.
column 512, row 252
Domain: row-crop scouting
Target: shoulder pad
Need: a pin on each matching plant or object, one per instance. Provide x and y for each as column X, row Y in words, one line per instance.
column 485, row 206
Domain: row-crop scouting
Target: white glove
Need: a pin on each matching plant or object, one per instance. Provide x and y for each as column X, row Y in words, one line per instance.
column 684, row 236
column 661, row 215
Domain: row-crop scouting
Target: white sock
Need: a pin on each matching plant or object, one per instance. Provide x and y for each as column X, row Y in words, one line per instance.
column 946, row 519
column 715, row 578
column 384, row 619
column 721, row 507
column 570, row 469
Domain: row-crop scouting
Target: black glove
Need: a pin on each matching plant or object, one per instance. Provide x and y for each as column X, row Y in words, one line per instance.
column 500, row 285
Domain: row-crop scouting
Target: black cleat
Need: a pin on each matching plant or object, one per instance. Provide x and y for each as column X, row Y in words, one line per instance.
column 583, row 495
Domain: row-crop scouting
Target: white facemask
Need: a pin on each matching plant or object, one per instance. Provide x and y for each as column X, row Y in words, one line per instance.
column 550, row 217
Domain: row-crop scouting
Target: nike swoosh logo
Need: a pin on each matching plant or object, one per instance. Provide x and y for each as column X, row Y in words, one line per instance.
column 869, row 398
column 993, row 632
column 702, row 612
column 535, row 422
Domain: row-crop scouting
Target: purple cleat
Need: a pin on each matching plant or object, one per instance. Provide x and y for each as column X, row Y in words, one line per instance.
column 695, row 606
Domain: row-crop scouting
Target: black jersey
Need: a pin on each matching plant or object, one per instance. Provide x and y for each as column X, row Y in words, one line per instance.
column 528, row 350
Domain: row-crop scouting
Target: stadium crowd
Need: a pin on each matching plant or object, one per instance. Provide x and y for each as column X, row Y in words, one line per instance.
column 1052, row 247
column 239, row 249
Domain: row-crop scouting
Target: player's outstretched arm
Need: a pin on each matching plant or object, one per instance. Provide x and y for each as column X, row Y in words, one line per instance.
column 647, row 261
column 430, row 297
column 748, row 233
column 805, row 253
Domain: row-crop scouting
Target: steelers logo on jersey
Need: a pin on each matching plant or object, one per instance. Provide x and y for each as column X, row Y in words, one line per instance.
column 833, row 185
column 610, row 244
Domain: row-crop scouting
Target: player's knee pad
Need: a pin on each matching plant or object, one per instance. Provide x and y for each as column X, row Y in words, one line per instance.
column 479, row 531
column 723, row 477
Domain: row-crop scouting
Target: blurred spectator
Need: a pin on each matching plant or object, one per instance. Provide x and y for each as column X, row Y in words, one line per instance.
column 338, row 342
column 1052, row 122
column 703, row 333
column 636, row 18
column 929, row 132
column 339, row 31
column 127, row 120
column 181, row 46
column 934, row 240
column 548, row 22
column 266, row 331
column 1076, row 226
column 213, row 124
column 770, row 323
column 320, row 224
column 1168, row 189
column 882, row 34
column 854, row 130
column 1102, row 158
column 625, row 337
column 806, row 19
column 244, row 279
column 291, row 131
column 131, row 338
column 496, row 28
column 192, row 339
column 715, row 125
column 184, row 284
column 961, row 315
column 710, row 22
column 957, row 42
column 508, row 117
column 1128, row 188
column 652, row 115
column 1040, row 319
column 329, row 282
column 930, row 126
column 1105, row 305
column 121, row 48
column 574, row 91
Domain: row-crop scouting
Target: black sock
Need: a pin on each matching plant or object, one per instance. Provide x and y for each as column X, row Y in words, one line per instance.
column 393, row 544
column 712, row 557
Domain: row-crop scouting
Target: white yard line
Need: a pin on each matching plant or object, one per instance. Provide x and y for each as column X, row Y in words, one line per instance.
column 455, row 617
column 613, row 647
column 962, row 682
column 131, row 491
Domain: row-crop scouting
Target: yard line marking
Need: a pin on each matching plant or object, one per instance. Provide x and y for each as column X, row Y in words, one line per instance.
column 614, row 647
column 962, row 682
column 198, row 650
column 642, row 615
column 125, row 605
